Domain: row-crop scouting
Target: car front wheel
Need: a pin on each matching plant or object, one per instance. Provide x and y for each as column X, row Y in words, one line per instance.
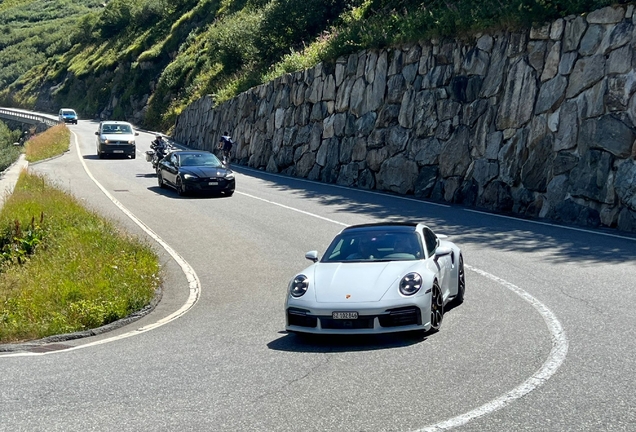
column 181, row 190
column 160, row 180
column 437, row 308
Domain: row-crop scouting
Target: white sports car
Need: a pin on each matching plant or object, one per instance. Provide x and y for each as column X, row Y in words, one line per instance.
column 377, row 278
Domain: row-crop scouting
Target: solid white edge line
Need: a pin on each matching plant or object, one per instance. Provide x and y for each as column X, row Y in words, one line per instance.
column 292, row 208
column 345, row 187
column 552, row 225
column 193, row 280
column 555, row 359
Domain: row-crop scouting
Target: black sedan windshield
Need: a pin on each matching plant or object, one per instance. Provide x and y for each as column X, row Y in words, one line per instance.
column 199, row 159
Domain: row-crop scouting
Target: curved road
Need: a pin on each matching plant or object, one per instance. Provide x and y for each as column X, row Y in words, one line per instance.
column 542, row 342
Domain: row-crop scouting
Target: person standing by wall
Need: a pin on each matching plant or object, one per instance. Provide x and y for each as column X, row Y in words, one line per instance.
column 225, row 145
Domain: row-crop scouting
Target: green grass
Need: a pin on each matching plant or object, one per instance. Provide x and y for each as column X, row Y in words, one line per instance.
column 53, row 142
column 64, row 268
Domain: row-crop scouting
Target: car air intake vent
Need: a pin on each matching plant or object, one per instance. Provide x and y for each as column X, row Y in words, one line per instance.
column 299, row 317
column 360, row 323
column 401, row 317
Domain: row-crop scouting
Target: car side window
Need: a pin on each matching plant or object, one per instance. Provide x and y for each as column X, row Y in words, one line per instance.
column 173, row 160
column 431, row 241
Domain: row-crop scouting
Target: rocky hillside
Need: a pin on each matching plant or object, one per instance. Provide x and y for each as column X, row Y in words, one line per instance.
column 145, row 60
column 539, row 123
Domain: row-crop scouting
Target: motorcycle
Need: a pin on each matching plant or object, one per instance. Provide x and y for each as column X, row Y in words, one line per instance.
column 158, row 152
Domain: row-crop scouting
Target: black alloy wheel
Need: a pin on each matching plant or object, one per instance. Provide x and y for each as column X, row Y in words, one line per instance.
column 461, row 283
column 181, row 190
column 437, row 308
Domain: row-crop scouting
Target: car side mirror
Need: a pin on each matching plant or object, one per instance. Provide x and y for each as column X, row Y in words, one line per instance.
column 136, row 133
column 312, row 256
column 443, row 251
column 97, row 133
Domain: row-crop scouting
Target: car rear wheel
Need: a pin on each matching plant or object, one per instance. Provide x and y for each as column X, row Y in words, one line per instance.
column 437, row 308
column 461, row 283
column 181, row 190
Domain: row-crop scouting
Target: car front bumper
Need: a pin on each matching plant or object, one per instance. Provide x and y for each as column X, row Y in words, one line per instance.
column 117, row 149
column 389, row 317
column 210, row 185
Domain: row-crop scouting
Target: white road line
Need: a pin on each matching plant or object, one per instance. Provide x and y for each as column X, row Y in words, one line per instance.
column 291, row 208
column 193, row 280
column 552, row 225
column 555, row 359
column 371, row 192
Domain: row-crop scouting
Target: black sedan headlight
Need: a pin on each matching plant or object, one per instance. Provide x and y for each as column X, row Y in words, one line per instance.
column 298, row 286
column 189, row 177
column 410, row 284
column 229, row 176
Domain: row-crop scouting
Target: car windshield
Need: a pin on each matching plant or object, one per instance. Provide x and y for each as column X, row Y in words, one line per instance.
column 374, row 245
column 200, row 159
column 68, row 112
column 117, row 129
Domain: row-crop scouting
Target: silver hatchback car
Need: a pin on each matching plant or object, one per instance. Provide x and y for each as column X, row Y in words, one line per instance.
column 116, row 138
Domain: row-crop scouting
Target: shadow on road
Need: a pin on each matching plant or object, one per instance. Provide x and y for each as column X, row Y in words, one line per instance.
column 557, row 243
column 343, row 343
column 171, row 193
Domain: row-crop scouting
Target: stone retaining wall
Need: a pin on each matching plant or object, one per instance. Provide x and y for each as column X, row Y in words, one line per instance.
column 538, row 123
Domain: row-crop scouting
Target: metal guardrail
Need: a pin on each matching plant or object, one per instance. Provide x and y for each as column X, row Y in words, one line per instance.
column 28, row 116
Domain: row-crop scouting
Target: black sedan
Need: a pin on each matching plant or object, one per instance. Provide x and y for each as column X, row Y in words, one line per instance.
column 195, row 171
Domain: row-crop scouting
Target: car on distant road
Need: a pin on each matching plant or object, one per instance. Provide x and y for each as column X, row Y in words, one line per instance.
column 195, row 171
column 116, row 138
column 377, row 278
column 67, row 115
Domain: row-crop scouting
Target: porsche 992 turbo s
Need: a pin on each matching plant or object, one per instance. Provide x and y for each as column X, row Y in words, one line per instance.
column 377, row 278
column 195, row 171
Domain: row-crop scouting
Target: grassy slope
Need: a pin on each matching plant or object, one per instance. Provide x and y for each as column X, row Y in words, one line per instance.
column 63, row 268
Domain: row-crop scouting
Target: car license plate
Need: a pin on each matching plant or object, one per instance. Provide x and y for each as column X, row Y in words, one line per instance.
column 344, row 315
column 118, row 151
column 213, row 183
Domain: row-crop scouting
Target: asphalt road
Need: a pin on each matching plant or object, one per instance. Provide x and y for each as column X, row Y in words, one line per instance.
column 543, row 342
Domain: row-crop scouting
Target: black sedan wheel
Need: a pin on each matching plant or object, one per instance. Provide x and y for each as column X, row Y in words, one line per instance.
column 437, row 308
column 181, row 190
column 160, row 180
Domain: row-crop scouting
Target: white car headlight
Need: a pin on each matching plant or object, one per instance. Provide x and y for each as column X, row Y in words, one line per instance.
column 298, row 286
column 189, row 177
column 229, row 176
column 410, row 284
